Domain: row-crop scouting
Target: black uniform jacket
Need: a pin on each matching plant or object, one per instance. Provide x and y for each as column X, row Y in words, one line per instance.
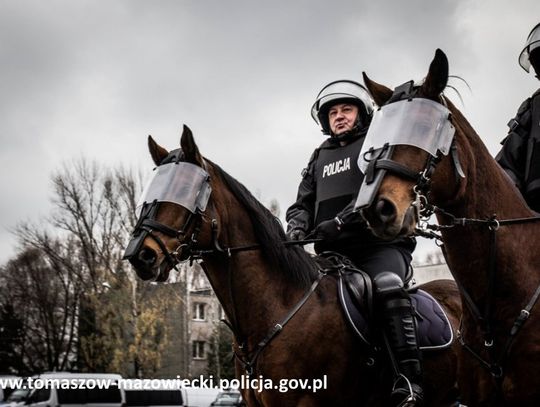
column 329, row 187
column 520, row 154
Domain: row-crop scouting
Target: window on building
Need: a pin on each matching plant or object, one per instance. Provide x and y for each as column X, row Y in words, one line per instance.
column 198, row 350
column 199, row 309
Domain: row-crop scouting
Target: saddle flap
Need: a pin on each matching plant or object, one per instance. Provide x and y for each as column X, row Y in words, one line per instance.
column 433, row 327
column 353, row 314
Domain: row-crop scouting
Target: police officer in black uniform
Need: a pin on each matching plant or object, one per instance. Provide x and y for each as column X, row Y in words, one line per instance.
column 520, row 154
column 324, row 208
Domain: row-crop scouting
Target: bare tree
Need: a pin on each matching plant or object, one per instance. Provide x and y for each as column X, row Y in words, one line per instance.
column 81, row 247
column 11, row 339
column 45, row 298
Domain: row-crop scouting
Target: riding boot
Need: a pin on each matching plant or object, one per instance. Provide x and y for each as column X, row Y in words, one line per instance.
column 401, row 336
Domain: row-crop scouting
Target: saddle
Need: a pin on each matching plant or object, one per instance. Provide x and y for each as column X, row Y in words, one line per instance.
column 356, row 298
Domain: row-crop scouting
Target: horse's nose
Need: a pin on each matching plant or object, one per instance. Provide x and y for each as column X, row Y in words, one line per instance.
column 144, row 262
column 147, row 257
column 385, row 211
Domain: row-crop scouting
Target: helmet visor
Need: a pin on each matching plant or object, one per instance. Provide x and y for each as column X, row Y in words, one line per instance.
column 341, row 90
column 419, row 122
column 181, row 183
column 533, row 41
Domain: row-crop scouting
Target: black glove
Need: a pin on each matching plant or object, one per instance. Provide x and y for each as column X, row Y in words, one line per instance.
column 329, row 229
column 296, row 234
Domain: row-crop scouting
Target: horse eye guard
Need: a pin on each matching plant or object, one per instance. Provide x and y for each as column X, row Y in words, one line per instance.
column 180, row 183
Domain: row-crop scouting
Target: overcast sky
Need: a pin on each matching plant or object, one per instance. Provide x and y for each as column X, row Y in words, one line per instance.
column 94, row 78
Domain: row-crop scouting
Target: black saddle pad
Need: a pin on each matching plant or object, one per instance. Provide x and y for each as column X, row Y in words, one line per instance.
column 434, row 329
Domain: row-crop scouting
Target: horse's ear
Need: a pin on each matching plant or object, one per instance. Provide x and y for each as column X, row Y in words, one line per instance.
column 437, row 77
column 157, row 152
column 380, row 93
column 190, row 149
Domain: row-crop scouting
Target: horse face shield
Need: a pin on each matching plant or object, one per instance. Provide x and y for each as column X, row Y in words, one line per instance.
column 420, row 123
column 180, row 183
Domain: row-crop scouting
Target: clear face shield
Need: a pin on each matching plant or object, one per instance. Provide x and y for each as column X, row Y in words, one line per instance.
column 180, row 183
column 418, row 122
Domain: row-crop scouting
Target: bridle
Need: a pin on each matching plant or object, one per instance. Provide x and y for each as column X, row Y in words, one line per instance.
column 424, row 209
column 191, row 186
column 149, row 224
column 381, row 160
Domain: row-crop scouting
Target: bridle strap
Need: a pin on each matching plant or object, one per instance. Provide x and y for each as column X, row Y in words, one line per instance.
column 492, row 279
column 170, row 259
column 249, row 362
column 460, row 174
column 404, row 91
column 397, row 168
column 149, row 225
column 154, row 225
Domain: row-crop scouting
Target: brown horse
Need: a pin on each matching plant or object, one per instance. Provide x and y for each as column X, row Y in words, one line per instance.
column 496, row 261
column 259, row 281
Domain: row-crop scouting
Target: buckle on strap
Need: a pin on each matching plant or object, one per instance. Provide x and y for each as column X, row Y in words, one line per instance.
column 520, row 321
column 403, row 91
column 513, row 124
column 524, row 314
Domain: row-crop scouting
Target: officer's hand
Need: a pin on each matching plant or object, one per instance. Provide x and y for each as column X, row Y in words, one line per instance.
column 329, row 229
column 296, row 234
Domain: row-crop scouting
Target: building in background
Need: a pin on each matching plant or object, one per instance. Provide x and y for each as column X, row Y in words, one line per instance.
column 193, row 326
column 429, row 272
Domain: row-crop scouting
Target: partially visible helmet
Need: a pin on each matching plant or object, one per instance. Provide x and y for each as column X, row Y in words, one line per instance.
column 341, row 91
column 533, row 42
column 534, row 58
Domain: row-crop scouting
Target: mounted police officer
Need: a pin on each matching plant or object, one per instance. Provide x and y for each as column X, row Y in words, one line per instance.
column 324, row 208
column 520, row 154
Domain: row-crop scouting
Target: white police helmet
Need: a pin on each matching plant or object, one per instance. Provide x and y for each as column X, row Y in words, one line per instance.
column 341, row 91
column 533, row 42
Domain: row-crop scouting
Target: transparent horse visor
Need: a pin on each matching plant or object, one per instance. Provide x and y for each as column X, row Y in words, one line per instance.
column 418, row 122
column 180, row 183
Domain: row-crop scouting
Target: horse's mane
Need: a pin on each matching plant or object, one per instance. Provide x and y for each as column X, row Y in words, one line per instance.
column 293, row 262
column 467, row 128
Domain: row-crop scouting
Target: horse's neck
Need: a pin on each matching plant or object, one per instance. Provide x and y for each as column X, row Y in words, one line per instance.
column 252, row 294
column 249, row 295
column 488, row 192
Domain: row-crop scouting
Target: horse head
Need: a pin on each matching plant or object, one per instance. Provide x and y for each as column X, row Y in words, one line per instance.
column 420, row 156
column 171, row 210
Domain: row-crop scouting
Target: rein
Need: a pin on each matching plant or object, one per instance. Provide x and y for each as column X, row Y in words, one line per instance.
column 196, row 254
column 495, row 364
